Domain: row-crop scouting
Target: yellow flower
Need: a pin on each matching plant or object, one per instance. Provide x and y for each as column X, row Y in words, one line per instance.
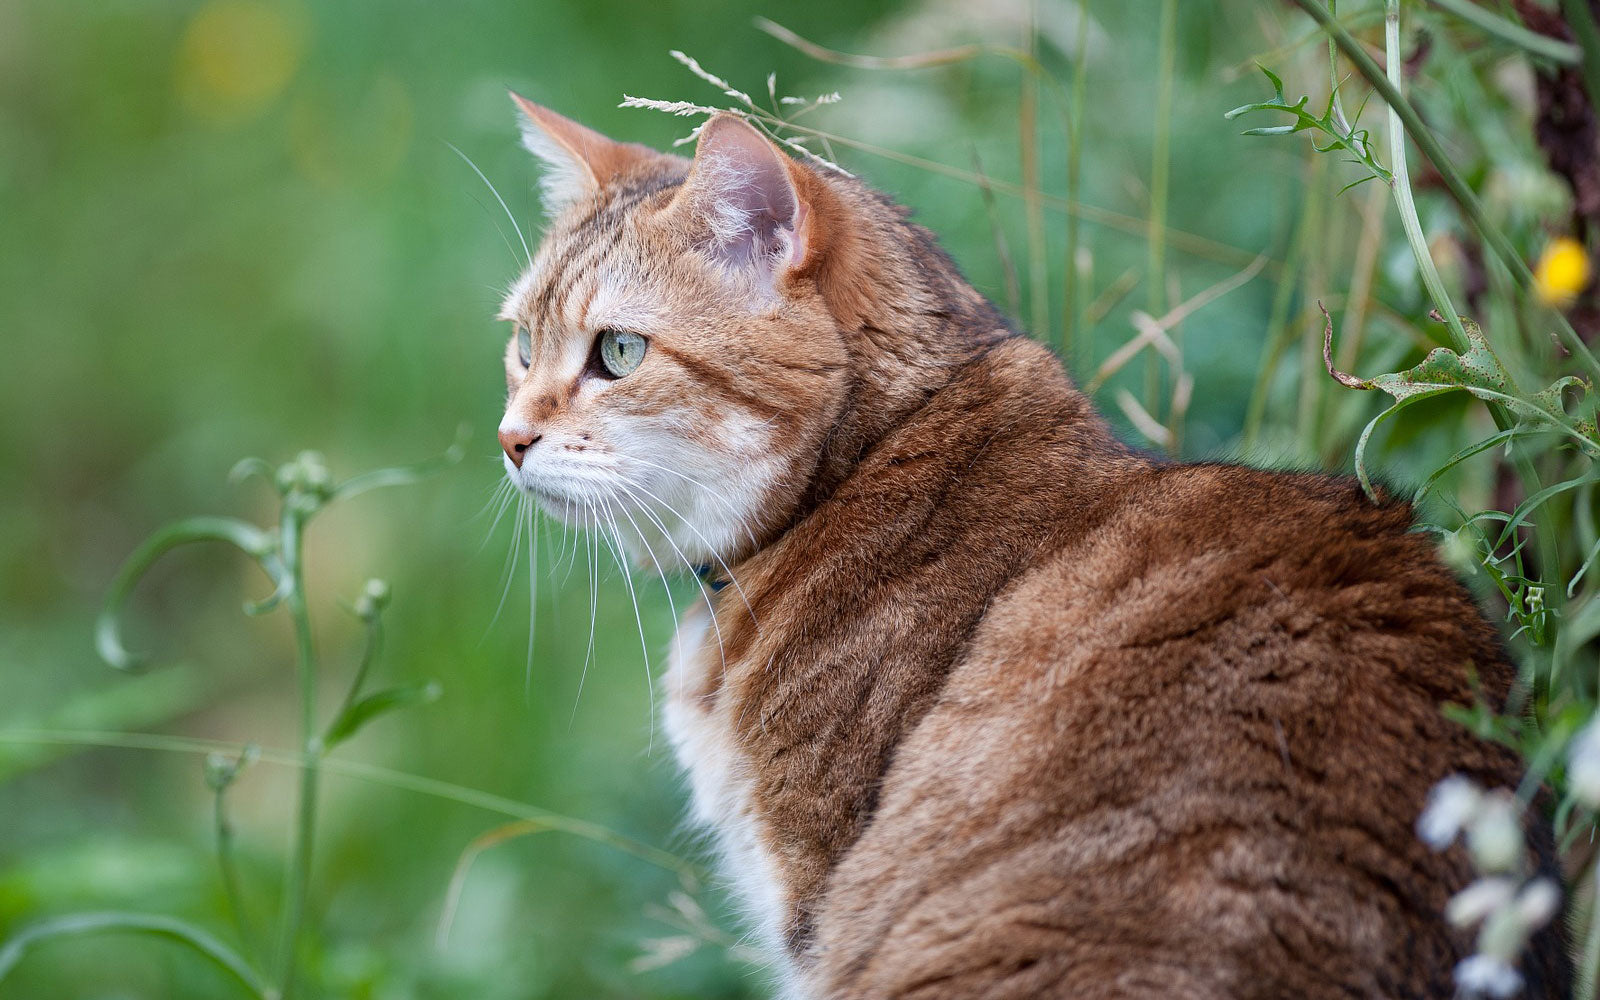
column 237, row 56
column 1562, row 272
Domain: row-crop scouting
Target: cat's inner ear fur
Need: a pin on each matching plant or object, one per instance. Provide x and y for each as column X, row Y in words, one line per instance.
column 752, row 211
column 578, row 161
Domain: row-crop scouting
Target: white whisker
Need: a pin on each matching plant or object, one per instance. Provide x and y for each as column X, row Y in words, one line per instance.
column 500, row 499
column 566, row 531
column 591, row 563
column 673, row 605
column 733, row 580
column 705, row 595
column 533, row 595
column 511, row 557
column 644, row 645
column 524, row 240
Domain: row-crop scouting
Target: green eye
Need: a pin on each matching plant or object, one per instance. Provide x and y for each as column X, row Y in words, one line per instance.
column 524, row 346
column 621, row 352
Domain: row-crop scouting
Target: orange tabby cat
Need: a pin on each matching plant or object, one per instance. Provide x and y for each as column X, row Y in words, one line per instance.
column 990, row 705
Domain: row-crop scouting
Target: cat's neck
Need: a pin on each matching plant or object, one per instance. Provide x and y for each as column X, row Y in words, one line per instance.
column 919, row 339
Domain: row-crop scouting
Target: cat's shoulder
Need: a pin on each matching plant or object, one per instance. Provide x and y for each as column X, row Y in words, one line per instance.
column 1208, row 542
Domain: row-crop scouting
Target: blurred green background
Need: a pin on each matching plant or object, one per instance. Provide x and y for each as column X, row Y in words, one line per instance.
column 236, row 228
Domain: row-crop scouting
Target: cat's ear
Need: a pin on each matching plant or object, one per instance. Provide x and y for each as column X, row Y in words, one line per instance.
column 752, row 200
column 578, row 161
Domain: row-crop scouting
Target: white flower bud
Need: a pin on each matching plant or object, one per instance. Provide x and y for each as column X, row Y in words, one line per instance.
column 1451, row 804
column 1538, row 902
column 1484, row 975
column 1494, row 835
column 1479, row 899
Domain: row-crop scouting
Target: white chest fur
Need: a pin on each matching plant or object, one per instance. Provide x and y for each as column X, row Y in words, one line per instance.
column 702, row 736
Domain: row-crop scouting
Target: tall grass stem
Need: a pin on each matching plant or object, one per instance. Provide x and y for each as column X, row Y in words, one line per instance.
column 1160, row 167
column 1074, row 339
column 1028, row 126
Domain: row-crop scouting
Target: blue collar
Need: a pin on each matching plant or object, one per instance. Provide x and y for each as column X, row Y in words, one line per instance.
column 704, row 571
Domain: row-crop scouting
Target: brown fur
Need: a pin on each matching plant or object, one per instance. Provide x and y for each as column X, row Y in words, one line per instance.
column 1014, row 710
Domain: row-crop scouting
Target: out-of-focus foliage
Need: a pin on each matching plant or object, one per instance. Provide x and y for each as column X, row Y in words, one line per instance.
column 238, row 227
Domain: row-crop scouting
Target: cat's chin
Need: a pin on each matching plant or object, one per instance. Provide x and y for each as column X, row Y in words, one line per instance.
column 558, row 505
column 555, row 503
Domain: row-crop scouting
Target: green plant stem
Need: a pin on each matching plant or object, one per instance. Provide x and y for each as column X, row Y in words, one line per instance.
column 1423, row 137
column 1549, row 555
column 1511, row 32
column 1402, row 193
column 1028, row 125
column 1313, row 379
column 369, row 653
column 1160, row 173
column 295, row 512
column 1279, row 330
column 246, row 537
column 1073, row 336
column 230, row 873
column 374, row 773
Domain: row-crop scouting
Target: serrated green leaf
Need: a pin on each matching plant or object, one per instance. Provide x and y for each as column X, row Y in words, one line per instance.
column 1339, row 136
column 1479, row 372
column 1579, row 418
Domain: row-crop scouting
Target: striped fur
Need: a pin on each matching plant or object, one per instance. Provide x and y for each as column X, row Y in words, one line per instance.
column 994, row 705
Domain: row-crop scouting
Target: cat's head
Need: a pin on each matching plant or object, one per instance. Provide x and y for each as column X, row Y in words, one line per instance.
column 677, row 356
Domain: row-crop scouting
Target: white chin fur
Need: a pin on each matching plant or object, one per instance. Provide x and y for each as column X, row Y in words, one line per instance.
column 659, row 516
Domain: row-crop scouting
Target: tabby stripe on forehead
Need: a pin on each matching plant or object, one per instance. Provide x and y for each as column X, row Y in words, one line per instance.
column 583, row 249
column 578, row 258
column 583, row 254
column 575, row 242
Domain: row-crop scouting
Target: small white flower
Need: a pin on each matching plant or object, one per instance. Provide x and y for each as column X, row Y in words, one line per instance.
column 1451, row 804
column 1478, row 900
column 1538, row 902
column 1583, row 767
column 1484, row 975
column 1494, row 835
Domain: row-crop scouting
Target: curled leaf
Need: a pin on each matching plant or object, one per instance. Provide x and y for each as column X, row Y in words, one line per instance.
column 249, row 539
column 1343, row 378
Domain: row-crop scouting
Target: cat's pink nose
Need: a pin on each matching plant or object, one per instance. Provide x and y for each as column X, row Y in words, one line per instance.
column 516, row 443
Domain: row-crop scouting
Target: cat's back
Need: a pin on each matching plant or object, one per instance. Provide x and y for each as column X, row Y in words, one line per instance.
column 1183, row 755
